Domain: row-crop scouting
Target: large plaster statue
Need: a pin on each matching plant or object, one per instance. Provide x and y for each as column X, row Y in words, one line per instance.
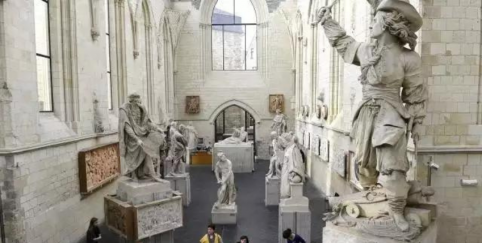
column 140, row 140
column 225, row 177
column 394, row 97
column 192, row 136
column 293, row 168
column 276, row 160
column 243, row 135
column 177, row 150
column 279, row 123
column 235, row 138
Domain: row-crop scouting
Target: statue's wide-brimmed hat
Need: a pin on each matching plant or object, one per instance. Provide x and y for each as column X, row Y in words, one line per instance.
column 404, row 7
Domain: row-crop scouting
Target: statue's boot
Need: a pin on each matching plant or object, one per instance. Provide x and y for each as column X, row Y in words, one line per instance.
column 397, row 206
column 401, row 222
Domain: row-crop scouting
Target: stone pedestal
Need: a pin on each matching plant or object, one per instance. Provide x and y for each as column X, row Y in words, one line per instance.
column 241, row 156
column 294, row 213
column 143, row 191
column 166, row 237
column 145, row 211
column 224, row 215
column 272, row 191
column 182, row 184
column 188, row 155
column 337, row 234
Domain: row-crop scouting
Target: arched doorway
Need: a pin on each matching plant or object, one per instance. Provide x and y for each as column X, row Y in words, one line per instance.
column 234, row 117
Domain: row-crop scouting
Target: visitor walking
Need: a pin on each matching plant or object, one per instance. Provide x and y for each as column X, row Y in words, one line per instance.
column 211, row 236
column 292, row 237
column 93, row 233
column 243, row 239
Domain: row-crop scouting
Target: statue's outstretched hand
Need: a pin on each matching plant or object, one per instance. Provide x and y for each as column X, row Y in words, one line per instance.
column 416, row 129
column 322, row 15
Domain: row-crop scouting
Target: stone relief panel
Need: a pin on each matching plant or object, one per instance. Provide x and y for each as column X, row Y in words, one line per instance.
column 98, row 166
column 118, row 217
column 325, row 149
column 316, row 145
column 339, row 162
column 158, row 217
column 193, row 104
column 307, row 141
column 276, row 101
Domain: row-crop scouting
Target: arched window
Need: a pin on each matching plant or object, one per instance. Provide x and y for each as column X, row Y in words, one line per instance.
column 234, row 37
column 44, row 66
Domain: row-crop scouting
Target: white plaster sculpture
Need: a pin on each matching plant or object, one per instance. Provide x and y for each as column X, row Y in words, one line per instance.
column 192, row 136
column 279, row 123
column 293, row 168
column 394, row 97
column 177, row 150
column 243, row 135
column 225, row 177
column 233, row 139
column 276, row 160
column 139, row 140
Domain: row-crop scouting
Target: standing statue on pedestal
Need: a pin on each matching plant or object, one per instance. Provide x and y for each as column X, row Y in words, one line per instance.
column 140, row 140
column 177, row 151
column 279, row 123
column 394, row 97
column 293, row 168
column 192, row 136
column 276, row 160
column 225, row 177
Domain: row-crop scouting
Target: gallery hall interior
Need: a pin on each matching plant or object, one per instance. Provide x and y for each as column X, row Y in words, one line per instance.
column 264, row 121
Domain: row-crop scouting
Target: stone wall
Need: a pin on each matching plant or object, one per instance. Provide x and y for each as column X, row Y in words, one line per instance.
column 449, row 44
column 39, row 151
column 247, row 89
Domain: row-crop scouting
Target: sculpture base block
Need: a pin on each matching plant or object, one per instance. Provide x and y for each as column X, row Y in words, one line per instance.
column 294, row 213
column 224, row 215
column 241, row 156
column 143, row 191
column 338, row 234
column 272, row 191
column 181, row 184
column 143, row 222
column 166, row 237
column 297, row 219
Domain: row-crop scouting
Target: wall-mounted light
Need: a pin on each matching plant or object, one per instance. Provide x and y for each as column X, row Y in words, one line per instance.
column 465, row 182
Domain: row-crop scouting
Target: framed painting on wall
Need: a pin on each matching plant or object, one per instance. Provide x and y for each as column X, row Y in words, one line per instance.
column 193, row 104
column 276, row 101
